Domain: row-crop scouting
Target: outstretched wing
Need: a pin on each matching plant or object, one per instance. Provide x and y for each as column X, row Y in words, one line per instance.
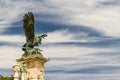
column 29, row 26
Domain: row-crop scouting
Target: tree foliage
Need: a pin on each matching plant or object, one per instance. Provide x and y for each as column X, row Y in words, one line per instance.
column 6, row 78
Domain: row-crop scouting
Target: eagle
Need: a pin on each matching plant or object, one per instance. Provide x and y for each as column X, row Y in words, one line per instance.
column 31, row 39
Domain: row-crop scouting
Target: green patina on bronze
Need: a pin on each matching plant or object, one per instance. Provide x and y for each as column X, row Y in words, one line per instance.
column 31, row 39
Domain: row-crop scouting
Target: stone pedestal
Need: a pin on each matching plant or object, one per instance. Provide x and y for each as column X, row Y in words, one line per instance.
column 32, row 67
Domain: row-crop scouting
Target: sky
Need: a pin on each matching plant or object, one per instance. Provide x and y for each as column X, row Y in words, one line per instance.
column 83, row 37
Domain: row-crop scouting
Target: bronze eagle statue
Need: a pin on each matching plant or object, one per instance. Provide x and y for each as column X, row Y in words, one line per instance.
column 31, row 39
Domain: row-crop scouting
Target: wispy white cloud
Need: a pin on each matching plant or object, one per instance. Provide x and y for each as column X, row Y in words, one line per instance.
column 58, row 36
column 64, row 51
column 88, row 13
column 8, row 54
column 12, row 38
column 84, row 62
column 65, row 35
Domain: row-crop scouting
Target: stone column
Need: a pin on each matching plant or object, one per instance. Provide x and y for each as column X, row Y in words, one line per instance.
column 34, row 66
column 24, row 71
column 16, row 70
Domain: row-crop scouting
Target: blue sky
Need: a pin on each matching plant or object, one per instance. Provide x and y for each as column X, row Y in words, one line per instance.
column 83, row 37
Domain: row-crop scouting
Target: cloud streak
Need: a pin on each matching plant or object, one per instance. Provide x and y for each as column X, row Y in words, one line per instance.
column 94, row 14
